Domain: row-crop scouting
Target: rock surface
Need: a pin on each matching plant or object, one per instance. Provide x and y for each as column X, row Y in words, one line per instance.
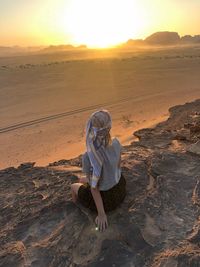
column 163, row 38
column 157, row 225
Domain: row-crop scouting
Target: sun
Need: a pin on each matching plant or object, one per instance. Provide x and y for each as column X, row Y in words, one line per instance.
column 102, row 23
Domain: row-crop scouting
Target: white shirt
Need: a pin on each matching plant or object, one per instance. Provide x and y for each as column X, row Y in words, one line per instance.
column 111, row 172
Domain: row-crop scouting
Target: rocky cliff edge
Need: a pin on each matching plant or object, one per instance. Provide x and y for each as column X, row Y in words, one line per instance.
column 158, row 224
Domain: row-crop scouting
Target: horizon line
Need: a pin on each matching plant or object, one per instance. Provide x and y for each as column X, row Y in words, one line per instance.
column 90, row 47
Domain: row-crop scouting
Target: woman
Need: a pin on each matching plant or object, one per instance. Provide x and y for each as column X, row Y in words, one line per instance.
column 104, row 187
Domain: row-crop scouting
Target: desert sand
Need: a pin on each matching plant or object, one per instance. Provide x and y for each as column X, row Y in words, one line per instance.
column 46, row 99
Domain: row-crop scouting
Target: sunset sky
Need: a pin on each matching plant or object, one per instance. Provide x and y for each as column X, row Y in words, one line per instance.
column 96, row 23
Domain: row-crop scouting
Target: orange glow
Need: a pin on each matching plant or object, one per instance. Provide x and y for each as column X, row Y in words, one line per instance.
column 102, row 23
column 96, row 23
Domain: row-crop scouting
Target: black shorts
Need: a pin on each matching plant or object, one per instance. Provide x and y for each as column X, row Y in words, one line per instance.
column 111, row 198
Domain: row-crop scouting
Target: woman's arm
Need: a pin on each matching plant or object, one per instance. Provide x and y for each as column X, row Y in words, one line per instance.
column 101, row 219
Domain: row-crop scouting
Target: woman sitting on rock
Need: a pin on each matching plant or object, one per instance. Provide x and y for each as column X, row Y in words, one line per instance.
column 104, row 187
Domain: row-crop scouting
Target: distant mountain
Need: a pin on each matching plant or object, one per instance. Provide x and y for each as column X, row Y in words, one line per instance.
column 163, row 38
column 159, row 38
column 136, row 42
column 56, row 48
column 17, row 50
column 190, row 39
column 10, row 49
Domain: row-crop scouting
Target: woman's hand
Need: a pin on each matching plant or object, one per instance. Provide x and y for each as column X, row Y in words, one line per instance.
column 101, row 219
column 101, row 222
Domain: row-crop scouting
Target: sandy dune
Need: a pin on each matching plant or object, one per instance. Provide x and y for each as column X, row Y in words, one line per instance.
column 45, row 100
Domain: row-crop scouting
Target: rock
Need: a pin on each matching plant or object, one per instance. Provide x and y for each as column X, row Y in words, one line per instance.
column 151, row 231
column 150, row 138
column 182, row 134
column 26, row 165
column 157, row 225
column 196, row 193
column 170, row 262
column 65, row 162
column 185, row 255
column 114, row 253
column 194, row 148
column 190, row 39
column 195, row 129
column 60, row 162
column 163, row 38
column 174, row 163
column 195, row 234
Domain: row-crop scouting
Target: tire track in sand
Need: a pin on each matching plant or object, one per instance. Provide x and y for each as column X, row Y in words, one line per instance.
column 71, row 112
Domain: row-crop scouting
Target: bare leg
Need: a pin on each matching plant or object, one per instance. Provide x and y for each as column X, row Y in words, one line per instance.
column 74, row 190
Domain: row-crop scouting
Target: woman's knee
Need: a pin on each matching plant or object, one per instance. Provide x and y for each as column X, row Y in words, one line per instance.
column 75, row 187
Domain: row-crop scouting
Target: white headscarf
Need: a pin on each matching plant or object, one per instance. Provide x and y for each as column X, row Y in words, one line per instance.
column 95, row 143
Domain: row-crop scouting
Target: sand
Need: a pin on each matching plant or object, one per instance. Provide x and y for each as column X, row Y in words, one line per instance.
column 59, row 92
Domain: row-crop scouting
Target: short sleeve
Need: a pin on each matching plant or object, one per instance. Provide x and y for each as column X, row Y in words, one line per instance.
column 117, row 145
column 86, row 165
column 94, row 181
